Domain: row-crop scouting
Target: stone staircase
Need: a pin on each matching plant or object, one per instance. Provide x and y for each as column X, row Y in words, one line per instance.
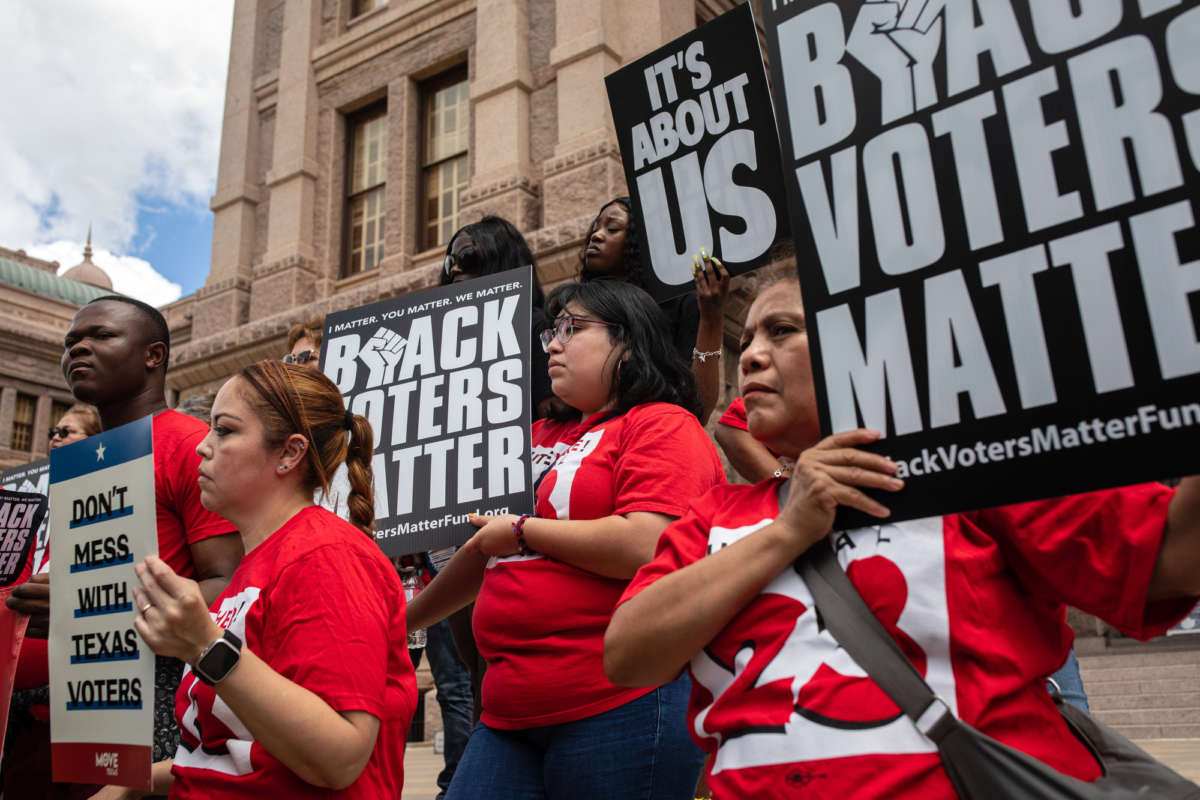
column 1145, row 690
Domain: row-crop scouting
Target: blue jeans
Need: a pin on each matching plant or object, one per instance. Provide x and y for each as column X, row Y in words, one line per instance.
column 638, row 751
column 1070, row 682
column 453, row 684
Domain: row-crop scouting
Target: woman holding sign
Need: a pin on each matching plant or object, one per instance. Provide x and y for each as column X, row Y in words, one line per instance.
column 611, row 251
column 298, row 677
column 609, row 481
column 975, row 601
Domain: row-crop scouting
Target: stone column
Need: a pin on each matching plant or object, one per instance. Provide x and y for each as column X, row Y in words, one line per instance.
column 593, row 38
column 222, row 303
column 287, row 276
column 8, row 406
column 41, row 424
column 502, row 182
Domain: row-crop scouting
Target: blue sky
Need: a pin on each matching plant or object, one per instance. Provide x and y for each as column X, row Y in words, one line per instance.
column 177, row 240
column 124, row 101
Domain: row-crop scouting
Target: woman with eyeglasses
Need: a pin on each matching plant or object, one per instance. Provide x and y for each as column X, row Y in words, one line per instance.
column 304, row 342
column 608, row 482
column 77, row 422
column 493, row 245
column 611, row 251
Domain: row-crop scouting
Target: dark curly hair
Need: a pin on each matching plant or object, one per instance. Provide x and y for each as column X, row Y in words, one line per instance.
column 631, row 253
column 499, row 246
column 654, row 372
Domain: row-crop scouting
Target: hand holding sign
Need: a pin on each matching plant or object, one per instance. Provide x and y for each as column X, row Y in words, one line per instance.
column 33, row 598
column 173, row 618
column 830, row 474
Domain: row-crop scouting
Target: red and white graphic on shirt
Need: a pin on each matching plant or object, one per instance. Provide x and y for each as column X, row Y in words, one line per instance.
column 781, row 688
column 231, row 753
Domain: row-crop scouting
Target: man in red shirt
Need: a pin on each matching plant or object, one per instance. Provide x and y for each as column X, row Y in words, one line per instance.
column 115, row 357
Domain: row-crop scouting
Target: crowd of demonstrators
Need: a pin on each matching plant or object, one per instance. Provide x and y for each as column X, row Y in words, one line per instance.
column 695, row 319
column 299, row 679
column 27, row 738
column 609, row 481
column 644, row 613
column 115, row 358
column 974, row 600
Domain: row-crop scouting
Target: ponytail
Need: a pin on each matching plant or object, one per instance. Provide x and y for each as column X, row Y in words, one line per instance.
column 361, row 501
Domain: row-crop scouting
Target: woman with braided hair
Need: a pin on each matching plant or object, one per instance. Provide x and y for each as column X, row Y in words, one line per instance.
column 298, row 679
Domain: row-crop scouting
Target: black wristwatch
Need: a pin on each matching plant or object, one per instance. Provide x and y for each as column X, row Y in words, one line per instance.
column 218, row 659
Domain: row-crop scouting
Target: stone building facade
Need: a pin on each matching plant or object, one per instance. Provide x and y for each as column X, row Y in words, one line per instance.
column 358, row 134
column 36, row 307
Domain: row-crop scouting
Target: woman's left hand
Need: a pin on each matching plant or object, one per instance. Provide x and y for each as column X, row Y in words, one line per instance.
column 495, row 536
column 712, row 283
column 172, row 618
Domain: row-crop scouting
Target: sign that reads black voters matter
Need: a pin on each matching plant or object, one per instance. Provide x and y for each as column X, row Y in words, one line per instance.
column 32, row 477
column 443, row 377
column 21, row 515
column 993, row 205
column 698, row 142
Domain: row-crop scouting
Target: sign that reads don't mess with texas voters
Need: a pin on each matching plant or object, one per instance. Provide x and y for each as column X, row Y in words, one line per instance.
column 994, row 209
column 701, row 156
column 443, row 377
column 102, row 522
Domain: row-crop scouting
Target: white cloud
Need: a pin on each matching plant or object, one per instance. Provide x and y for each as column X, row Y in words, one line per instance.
column 130, row 275
column 108, row 103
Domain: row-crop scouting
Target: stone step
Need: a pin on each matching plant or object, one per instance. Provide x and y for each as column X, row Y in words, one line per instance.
column 1136, row 732
column 1118, row 660
column 1150, row 716
column 1102, row 701
column 1146, row 686
column 1096, row 674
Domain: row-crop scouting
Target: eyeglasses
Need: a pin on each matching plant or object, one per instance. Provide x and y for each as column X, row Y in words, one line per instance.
column 467, row 258
column 60, row 432
column 564, row 329
column 303, row 357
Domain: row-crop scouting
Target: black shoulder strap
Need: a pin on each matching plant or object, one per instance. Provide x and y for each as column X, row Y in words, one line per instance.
column 861, row 635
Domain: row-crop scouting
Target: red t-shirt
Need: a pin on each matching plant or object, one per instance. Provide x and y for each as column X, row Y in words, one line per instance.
column 975, row 600
column 321, row 604
column 539, row 622
column 735, row 415
column 182, row 520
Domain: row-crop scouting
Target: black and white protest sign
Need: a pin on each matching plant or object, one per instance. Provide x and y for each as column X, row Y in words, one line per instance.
column 21, row 515
column 993, row 204
column 698, row 142
column 33, row 477
column 103, row 520
column 443, row 377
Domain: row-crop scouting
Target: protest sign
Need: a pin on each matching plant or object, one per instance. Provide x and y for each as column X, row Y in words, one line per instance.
column 22, row 515
column 698, row 142
column 993, row 210
column 102, row 521
column 33, row 477
column 443, row 377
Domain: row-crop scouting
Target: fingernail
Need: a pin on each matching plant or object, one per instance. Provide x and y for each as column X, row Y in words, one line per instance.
column 717, row 261
column 703, row 253
column 696, row 262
